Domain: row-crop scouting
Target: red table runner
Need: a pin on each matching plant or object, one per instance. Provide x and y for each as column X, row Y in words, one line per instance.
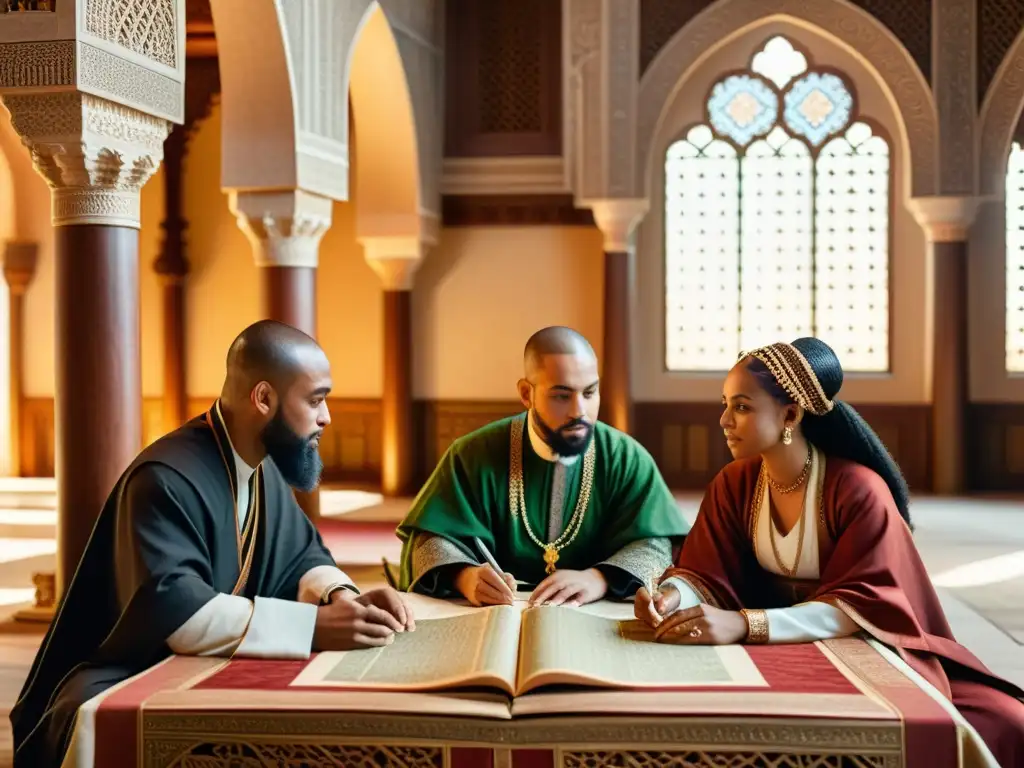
column 839, row 690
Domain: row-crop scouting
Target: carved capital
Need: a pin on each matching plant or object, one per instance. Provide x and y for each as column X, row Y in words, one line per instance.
column 617, row 219
column 394, row 259
column 20, row 265
column 944, row 219
column 285, row 228
column 94, row 154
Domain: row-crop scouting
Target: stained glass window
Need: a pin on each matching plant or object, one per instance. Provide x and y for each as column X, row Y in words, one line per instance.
column 777, row 220
column 1015, row 260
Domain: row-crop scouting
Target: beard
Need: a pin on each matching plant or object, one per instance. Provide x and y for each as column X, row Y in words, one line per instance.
column 561, row 443
column 294, row 455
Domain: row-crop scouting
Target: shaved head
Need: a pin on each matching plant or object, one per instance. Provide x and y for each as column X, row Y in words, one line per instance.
column 561, row 388
column 268, row 351
column 554, row 340
column 275, row 399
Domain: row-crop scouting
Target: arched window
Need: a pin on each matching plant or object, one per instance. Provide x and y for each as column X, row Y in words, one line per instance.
column 1015, row 260
column 777, row 220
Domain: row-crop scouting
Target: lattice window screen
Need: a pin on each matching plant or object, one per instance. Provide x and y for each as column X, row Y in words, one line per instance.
column 1015, row 260
column 777, row 220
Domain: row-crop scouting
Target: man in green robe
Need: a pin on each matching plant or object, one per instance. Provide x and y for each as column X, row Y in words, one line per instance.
column 560, row 502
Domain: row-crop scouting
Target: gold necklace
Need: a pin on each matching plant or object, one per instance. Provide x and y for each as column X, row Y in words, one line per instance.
column 789, row 572
column 517, row 497
column 797, row 483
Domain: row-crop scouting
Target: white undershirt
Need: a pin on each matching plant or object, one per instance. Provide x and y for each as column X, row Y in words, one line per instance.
column 269, row 628
column 805, row 622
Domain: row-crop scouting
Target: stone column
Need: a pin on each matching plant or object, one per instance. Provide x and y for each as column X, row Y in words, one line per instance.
column 946, row 222
column 19, row 268
column 172, row 264
column 395, row 260
column 617, row 219
column 285, row 229
column 96, row 156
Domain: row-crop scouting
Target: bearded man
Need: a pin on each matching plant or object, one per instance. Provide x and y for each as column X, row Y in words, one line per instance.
column 554, row 499
column 201, row 549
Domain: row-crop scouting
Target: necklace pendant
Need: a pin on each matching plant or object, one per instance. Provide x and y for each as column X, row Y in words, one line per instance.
column 550, row 557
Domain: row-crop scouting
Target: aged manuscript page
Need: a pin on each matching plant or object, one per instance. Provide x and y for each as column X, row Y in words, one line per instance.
column 516, row 649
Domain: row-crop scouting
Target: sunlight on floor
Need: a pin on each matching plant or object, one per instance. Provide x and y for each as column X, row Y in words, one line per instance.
column 12, row 550
column 334, row 503
column 991, row 570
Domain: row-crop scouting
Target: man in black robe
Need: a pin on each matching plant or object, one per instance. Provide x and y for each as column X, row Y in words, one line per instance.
column 201, row 549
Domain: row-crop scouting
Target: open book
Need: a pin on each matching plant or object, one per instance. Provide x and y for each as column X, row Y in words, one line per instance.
column 517, row 649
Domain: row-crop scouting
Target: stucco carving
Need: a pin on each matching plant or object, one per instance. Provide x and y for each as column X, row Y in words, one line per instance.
column 104, row 74
column 623, row 77
column 954, row 83
column 618, row 219
column 394, row 259
column 847, row 25
column 35, row 65
column 284, row 228
column 94, row 154
column 145, row 27
column 584, row 31
column 1000, row 113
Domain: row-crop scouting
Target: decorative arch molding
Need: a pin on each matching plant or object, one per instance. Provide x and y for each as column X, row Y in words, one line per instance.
column 1000, row 114
column 386, row 153
column 847, row 26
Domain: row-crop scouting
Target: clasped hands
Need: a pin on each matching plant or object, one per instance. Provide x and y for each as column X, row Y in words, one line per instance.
column 699, row 625
column 349, row 621
column 482, row 585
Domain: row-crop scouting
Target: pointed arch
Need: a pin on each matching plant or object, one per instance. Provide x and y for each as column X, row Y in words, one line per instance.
column 845, row 25
column 1000, row 114
column 386, row 155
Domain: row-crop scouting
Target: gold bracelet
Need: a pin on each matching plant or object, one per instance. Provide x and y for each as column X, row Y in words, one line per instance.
column 757, row 626
column 330, row 589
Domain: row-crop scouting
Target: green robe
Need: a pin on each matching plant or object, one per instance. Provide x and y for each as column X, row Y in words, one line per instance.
column 630, row 526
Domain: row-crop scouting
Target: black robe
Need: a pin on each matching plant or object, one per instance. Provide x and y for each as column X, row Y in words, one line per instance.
column 165, row 543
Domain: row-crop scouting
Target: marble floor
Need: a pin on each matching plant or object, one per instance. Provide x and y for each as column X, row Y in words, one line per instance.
column 973, row 549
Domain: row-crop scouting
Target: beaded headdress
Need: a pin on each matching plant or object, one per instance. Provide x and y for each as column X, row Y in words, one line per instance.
column 794, row 374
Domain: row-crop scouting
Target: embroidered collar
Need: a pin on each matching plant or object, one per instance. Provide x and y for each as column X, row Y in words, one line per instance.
column 542, row 449
column 242, row 470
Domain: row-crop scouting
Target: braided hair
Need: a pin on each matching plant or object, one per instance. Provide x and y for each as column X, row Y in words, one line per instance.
column 842, row 432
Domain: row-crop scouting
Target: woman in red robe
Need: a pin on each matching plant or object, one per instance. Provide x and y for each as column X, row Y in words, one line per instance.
column 806, row 536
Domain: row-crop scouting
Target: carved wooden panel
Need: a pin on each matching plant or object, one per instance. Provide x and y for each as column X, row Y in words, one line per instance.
column 660, row 20
column 687, row 443
column 995, row 455
column 684, row 438
column 999, row 23
column 503, row 78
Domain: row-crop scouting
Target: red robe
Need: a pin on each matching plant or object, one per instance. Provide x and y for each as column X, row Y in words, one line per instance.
column 870, row 569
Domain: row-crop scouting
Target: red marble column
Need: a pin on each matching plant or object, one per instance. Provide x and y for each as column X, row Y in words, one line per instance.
column 616, row 389
column 98, row 393
column 617, row 219
column 395, row 259
column 396, row 407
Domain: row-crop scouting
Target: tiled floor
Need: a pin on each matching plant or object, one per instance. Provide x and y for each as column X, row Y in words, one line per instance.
column 973, row 548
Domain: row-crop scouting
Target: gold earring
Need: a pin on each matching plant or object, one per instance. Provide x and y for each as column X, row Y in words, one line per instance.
column 787, row 435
